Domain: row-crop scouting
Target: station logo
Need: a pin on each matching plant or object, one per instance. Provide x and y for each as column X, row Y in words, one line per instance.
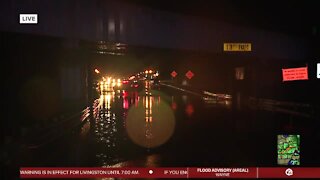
column 289, row 172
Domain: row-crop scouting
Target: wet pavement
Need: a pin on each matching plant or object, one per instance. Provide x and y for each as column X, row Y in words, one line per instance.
column 163, row 127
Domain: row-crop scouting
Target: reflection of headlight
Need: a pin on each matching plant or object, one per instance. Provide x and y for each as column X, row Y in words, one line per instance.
column 119, row 84
column 142, row 129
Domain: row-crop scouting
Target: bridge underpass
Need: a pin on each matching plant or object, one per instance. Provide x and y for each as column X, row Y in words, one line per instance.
column 187, row 118
column 58, row 116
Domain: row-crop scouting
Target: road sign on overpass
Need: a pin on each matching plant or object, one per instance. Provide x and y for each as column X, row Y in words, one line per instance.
column 236, row 46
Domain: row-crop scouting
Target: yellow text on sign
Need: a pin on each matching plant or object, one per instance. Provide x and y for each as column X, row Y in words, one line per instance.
column 236, row 46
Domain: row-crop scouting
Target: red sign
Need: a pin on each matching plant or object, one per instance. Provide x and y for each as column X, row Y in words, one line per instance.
column 174, row 74
column 222, row 172
column 292, row 74
column 170, row 172
column 189, row 74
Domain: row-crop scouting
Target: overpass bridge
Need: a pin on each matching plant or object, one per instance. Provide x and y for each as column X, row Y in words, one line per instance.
column 151, row 38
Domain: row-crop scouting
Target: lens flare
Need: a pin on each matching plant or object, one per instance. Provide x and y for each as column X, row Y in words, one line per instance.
column 151, row 123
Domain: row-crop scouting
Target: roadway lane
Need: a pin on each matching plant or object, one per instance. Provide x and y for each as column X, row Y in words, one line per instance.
column 165, row 127
column 200, row 133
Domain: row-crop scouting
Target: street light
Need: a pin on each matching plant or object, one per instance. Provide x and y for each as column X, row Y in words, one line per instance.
column 96, row 71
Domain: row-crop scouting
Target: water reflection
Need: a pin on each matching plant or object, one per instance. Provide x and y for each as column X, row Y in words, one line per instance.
column 217, row 102
column 127, row 121
column 106, row 128
column 151, row 123
column 189, row 109
column 152, row 160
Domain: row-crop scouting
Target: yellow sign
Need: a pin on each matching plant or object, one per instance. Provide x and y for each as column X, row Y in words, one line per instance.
column 236, row 46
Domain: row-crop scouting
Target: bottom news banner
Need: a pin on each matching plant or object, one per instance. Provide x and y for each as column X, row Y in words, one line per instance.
column 169, row 172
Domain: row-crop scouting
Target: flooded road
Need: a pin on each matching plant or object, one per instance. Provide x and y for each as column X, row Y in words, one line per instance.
column 163, row 127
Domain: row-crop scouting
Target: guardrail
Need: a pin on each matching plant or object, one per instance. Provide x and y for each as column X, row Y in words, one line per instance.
column 292, row 108
column 49, row 134
column 215, row 95
column 204, row 94
column 297, row 109
column 180, row 89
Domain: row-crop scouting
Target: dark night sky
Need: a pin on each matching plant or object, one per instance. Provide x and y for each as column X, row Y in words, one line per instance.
column 299, row 18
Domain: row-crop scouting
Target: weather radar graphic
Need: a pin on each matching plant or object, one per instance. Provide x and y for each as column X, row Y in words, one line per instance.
column 288, row 149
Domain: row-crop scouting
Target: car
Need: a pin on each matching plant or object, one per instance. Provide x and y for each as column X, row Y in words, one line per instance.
column 136, row 85
column 125, row 83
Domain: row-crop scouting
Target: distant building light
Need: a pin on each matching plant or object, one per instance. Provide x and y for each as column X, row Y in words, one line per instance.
column 239, row 73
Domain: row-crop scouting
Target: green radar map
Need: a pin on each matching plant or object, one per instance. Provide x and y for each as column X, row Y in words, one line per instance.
column 289, row 150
